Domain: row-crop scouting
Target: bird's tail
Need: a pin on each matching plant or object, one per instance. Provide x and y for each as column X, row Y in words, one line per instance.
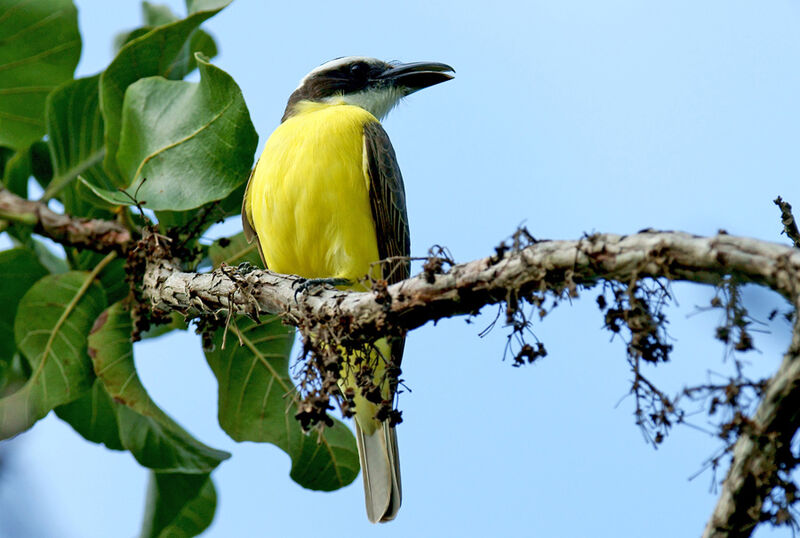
column 380, row 468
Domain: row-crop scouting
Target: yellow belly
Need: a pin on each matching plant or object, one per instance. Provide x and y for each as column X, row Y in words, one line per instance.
column 309, row 195
column 309, row 204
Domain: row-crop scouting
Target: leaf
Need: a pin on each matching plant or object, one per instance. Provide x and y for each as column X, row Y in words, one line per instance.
column 80, row 201
column 75, row 135
column 227, row 207
column 199, row 41
column 39, row 50
column 5, row 155
column 160, row 15
column 185, row 144
column 18, row 170
column 235, row 251
column 178, row 505
column 13, row 375
column 125, row 37
column 255, row 404
column 112, row 277
column 154, row 439
column 94, row 416
column 50, row 329
column 19, row 270
column 157, row 14
column 152, row 54
column 47, row 258
column 41, row 164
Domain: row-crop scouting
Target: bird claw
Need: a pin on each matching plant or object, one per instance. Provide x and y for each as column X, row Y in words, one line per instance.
column 245, row 268
column 311, row 284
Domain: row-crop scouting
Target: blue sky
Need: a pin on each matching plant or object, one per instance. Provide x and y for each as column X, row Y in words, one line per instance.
column 569, row 117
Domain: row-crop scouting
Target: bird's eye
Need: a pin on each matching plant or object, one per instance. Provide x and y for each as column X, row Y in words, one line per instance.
column 359, row 70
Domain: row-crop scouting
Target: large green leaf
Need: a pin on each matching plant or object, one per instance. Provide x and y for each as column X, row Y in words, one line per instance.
column 178, row 505
column 185, row 144
column 94, row 416
column 236, row 250
column 160, row 15
column 19, row 270
column 50, row 329
column 154, row 439
column 39, row 49
column 255, row 404
column 227, row 207
column 75, row 135
column 156, row 53
column 112, row 277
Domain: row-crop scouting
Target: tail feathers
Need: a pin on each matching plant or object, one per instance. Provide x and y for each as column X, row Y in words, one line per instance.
column 380, row 468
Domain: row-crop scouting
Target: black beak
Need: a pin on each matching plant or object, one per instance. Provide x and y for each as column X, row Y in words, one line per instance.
column 418, row 75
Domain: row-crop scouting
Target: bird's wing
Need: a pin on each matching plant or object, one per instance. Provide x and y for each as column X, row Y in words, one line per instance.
column 378, row 451
column 247, row 224
column 387, row 197
column 388, row 200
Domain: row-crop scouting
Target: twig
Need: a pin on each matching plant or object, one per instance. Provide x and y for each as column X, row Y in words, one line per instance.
column 787, row 219
column 95, row 234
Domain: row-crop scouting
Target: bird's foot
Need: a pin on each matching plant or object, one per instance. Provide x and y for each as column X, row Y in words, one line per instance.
column 245, row 268
column 313, row 284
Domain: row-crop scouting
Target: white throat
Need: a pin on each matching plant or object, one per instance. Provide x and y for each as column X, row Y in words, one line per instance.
column 376, row 102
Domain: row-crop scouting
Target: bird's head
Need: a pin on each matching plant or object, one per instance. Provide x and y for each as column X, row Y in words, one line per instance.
column 371, row 84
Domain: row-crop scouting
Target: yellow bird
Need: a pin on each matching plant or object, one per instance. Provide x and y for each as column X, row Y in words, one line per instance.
column 326, row 200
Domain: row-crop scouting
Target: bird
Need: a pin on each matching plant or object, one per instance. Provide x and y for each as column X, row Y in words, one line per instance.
column 326, row 201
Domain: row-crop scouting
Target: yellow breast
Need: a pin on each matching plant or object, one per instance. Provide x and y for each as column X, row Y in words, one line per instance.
column 309, row 195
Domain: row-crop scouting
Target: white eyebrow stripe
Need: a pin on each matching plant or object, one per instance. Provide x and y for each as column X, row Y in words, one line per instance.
column 334, row 64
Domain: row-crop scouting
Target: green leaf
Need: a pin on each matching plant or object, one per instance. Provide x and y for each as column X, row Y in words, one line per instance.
column 47, row 258
column 80, row 201
column 112, row 277
column 235, row 251
column 255, row 404
column 178, row 505
column 161, row 15
column 13, row 375
column 185, row 144
column 39, row 49
column 5, row 156
column 50, row 329
column 202, row 218
column 199, row 40
column 123, row 38
column 18, row 171
column 75, row 135
column 156, row 53
column 154, row 439
column 41, row 164
column 94, row 416
column 157, row 14
column 19, row 270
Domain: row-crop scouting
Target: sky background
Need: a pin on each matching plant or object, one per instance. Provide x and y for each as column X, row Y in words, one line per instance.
column 570, row 117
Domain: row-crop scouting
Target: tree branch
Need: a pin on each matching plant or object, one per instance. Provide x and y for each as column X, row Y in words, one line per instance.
column 93, row 234
column 541, row 266
column 466, row 288
column 787, row 219
column 762, row 451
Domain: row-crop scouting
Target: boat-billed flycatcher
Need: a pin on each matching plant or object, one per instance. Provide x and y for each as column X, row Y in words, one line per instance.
column 326, row 200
